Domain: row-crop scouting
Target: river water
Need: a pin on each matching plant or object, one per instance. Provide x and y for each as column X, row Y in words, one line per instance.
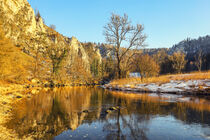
column 95, row 113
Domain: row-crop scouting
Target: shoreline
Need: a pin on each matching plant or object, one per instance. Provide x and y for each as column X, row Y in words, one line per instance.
column 10, row 94
column 180, row 87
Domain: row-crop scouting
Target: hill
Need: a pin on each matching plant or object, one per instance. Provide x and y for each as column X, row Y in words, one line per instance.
column 192, row 48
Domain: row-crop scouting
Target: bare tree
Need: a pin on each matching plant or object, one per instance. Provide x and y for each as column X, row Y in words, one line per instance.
column 120, row 31
column 199, row 60
column 178, row 61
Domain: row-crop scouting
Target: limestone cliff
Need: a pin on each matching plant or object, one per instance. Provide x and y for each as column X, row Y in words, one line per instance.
column 28, row 32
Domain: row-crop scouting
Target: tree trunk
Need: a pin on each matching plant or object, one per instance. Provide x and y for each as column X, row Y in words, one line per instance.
column 118, row 70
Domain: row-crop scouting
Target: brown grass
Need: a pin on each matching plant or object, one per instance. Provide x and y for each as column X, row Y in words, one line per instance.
column 163, row 78
column 8, row 97
column 6, row 102
column 14, row 64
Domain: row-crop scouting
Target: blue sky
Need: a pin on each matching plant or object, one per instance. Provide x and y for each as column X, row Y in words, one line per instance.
column 166, row 22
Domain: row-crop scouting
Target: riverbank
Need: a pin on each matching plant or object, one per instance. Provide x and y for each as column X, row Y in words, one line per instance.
column 190, row 84
column 9, row 95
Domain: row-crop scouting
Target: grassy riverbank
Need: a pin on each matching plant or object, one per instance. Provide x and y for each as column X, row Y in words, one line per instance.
column 9, row 95
column 12, row 93
column 163, row 78
column 195, row 83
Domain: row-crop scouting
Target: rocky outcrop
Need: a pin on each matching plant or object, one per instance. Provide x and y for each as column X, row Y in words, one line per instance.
column 18, row 18
column 77, row 50
column 28, row 32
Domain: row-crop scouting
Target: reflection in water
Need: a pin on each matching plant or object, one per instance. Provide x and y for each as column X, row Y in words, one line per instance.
column 92, row 113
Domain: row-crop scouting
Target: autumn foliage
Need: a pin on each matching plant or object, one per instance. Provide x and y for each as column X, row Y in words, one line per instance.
column 178, row 61
column 146, row 66
column 14, row 64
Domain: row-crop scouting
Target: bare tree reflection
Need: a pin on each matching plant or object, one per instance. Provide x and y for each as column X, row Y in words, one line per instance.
column 133, row 124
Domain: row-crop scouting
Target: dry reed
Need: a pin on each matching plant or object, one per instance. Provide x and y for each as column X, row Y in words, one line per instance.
column 163, row 78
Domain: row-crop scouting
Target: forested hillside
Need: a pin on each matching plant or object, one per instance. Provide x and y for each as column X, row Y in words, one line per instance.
column 194, row 48
column 197, row 54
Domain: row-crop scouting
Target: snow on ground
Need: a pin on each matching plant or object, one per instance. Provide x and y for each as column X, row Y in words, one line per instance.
column 207, row 83
column 152, row 87
column 171, row 87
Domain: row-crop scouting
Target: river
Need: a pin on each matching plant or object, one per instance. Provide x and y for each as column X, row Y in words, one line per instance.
column 93, row 113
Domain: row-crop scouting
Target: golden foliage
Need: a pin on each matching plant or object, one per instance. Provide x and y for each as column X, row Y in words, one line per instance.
column 178, row 61
column 14, row 64
column 147, row 66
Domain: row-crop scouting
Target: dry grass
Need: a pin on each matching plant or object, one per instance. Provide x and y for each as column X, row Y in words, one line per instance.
column 163, row 78
column 14, row 64
column 5, row 110
column 8, row 96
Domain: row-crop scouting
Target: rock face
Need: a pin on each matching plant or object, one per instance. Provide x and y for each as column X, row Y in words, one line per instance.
column 77, row 50
column 18, row 16
column 30, row 34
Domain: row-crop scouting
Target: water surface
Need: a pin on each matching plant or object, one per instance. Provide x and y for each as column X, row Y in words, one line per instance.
column 94, row 113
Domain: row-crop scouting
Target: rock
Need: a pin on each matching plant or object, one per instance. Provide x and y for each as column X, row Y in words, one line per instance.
column 4, row 103
column 27, row 86
column 46, row 83
column 85, row 111
column 46, row 89
column 35, row 81
column 18, row 96
column 108, row 111
column 34, row 91
column 112, row 108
